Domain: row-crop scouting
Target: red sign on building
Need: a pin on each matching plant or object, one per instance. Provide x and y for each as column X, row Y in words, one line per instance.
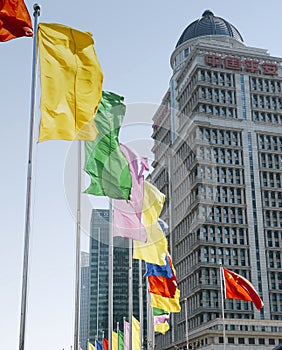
column 236, row 63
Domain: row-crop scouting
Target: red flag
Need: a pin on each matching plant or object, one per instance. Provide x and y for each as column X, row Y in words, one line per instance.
column 105, row 344
column 166, row 287
column 238, row 287
column 14, row 20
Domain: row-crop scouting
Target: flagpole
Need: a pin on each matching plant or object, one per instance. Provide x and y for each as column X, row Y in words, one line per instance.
column 130, row 292
column 78, row 243
column 150, row 322
column 103, row 336
column 222, row 306
column 141, row 304
column 98, row 282
column 110, row 291
column 36, row 14
column 186, row 323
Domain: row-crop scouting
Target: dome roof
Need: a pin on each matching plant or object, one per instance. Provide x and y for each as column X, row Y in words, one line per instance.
column 209, row 25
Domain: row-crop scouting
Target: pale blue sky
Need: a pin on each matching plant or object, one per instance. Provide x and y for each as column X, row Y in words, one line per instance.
column 133, row 41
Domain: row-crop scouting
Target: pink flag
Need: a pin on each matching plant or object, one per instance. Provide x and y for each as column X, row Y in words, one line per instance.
column 161, row 319
column 126, row 335
column 127, row 214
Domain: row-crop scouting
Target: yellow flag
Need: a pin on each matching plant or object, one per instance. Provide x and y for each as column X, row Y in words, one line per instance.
column 161, row 327
column 114, row 340
column 135, row 334
column 71, row 83
column 91, row 346
column 168, row 304
column 155, row 249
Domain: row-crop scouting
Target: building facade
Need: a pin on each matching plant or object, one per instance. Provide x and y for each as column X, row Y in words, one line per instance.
column 218, row 158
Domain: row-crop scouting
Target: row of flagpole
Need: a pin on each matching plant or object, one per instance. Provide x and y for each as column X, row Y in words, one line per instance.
column 36, row 14
column 78, row 243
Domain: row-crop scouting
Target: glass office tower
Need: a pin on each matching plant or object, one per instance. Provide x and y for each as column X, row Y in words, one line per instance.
column 99, row 276
column 218, row 158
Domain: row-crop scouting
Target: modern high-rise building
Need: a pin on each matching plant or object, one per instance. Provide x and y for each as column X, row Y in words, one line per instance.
column 99, row 278
column 218, row 158
column 84, row 301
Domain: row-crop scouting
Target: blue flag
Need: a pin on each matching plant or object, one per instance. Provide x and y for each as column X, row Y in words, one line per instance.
column 158, row 270
column 98, row 345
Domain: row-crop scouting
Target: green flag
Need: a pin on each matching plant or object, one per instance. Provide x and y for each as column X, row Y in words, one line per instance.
column 158, row 312
column 104, row 161
column 120, row 340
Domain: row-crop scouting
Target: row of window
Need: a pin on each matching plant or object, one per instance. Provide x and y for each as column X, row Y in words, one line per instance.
column 270, row 179
column 266, row 117
column 272, row 218
column 218, row 110
column 270, row 160
column 266, row 102
column 217, row 95
column 219, row 136
column 270, row 142
column 265, row 85
column 272, row 199
column 218, row 174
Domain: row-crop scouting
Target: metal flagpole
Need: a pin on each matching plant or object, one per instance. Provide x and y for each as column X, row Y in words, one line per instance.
column 222, row 306
column 103, row 336
column 130, row 292
column 186, row 323
column 98, row 281
column 78, row 243
column 110, row 289
column 150, row 321
column 141, row 304
column 36, row 14
column 117, row 334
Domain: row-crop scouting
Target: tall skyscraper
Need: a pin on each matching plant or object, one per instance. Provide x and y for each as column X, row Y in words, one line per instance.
column 99, row 277
column 84, row 301
column 218, row 158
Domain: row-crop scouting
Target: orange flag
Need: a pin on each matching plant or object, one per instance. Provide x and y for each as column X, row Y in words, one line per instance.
column 15, row 20
column 166, row 287
column 105, row 344
column 238, row 287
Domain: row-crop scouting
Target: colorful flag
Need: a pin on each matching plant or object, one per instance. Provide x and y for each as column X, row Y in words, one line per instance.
column 157, row 312
column 163, row 224
column 71, row 83
column 127, row 214
column 161, row 327
column 161, row 318
column 114, row 341
column 163, row 286
column 154, row 251
column 159, row 270
column 98, row 345
column 126, row 326
column 238, row 287
column 120, row 340
column 135, row 334
column 15, row 20
column 91, row 346
column 105, row 344
column 168, row 304
column 105, row 163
